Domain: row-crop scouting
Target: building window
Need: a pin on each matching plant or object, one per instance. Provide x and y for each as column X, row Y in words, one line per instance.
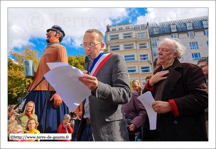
column 120, row 28
column 114, row 48
column 205, row 32
column 154, row 41
column 154, row 50
column 143, row 57
column 113, row 29
column 194, row 45
column 132, row 69
column 127, row 35
column 154, row 54
column 191, row 34
column 196, row 56
column 155, row 30
column 143, row 26
column 173, row 28
column 145, row 69
column 128, row 46
column 137, row 27
column 143, row 82
column 142, row 45
column 114, row 37
column 174, row 35
column 129, row 58
column 205, row 24
column 127, row 27
column 189, row 26
column 141, row 35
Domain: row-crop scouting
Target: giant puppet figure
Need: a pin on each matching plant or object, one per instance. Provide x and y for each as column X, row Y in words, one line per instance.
column 56, row 108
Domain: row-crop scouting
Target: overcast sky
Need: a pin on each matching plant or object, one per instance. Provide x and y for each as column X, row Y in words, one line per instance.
column 27, row 26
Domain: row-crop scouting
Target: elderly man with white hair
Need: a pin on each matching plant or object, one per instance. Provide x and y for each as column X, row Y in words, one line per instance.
column 180, row 96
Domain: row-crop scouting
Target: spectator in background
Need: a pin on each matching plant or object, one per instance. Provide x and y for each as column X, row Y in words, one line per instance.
column 78, row 112
column 16, row 129
column 181, row 95
column 28, row 113
column 72, row 120
column 156, row 64
column 148, row 77
column 203, row 64
column 136, row 86
column 11, row 123
column 13, row 114
column 135, row 115
column 65, row 127
column 31, row 127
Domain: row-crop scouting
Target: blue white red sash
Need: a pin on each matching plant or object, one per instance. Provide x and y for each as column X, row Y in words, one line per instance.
column 98, row 62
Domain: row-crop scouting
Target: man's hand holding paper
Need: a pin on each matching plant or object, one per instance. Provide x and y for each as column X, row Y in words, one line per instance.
column 90, row 81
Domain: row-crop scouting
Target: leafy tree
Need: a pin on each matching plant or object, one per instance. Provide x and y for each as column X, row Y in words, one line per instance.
column 26, row 54
column 106, row 50
column 17, row 83
column 77, row 61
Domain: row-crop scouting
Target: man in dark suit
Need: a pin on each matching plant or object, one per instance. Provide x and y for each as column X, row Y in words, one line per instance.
column 109, row 83
column 181, row 95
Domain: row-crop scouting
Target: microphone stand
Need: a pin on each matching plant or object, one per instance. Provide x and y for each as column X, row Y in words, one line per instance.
column 28, row 94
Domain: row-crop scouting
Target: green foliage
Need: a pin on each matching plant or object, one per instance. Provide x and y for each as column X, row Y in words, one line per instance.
column 17, row 83
column 77, row 61
column 106, row 50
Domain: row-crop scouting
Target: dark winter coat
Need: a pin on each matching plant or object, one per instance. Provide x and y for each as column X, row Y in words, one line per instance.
column 186, row 85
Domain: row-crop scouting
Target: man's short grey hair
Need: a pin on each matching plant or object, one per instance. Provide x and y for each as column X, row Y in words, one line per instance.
column 203, row 59
column 178, row 46
column 67, row 116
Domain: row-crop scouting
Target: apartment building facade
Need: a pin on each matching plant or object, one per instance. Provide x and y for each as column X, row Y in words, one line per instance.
column 193, row 33
column 133, row 44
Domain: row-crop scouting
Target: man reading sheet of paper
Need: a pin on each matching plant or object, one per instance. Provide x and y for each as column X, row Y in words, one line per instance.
column 109, row 84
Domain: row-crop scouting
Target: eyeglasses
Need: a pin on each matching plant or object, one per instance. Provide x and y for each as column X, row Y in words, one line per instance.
column 91, row 44
column 50, row 31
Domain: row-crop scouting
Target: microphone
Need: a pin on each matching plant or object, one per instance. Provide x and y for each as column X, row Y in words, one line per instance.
column 88, row 63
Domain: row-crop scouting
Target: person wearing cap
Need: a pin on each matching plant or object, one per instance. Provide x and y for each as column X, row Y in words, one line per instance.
column 56, row 107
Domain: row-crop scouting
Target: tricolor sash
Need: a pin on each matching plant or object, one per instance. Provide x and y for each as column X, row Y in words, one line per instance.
column 98, row 62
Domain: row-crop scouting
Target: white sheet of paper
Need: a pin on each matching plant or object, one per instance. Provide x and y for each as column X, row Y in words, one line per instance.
column 56, row 64
column 64, row 79
column 147, row 100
